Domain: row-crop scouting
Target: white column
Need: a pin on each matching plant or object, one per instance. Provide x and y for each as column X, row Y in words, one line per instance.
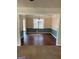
column 58, row 41
column 18, row 32
column 24, row 31
column 59, row 34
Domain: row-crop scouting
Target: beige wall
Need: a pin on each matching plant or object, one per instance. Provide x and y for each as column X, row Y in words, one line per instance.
column 47, row 21
column 29, row 22
column 55, row 21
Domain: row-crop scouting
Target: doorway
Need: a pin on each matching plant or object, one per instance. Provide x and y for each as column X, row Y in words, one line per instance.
column 37, row 31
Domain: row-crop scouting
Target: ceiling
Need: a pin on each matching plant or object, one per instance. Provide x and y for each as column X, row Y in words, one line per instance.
column 39, row 3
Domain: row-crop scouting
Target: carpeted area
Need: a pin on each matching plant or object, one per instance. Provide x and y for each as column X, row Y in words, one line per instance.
column 39, row 52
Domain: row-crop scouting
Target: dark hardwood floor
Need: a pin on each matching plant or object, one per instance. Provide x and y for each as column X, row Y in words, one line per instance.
column 39, row 52
column 38, row 39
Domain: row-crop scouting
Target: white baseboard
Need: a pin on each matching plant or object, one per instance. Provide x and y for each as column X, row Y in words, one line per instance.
column 18, row 44
column 58, row 44
column 53, row 35
column 56, row 40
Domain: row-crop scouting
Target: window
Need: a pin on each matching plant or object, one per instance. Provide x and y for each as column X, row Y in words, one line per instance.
column 38, row 23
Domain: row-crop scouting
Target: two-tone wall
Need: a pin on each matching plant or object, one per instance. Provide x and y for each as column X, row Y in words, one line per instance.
column 47, row 23
column 56, row 25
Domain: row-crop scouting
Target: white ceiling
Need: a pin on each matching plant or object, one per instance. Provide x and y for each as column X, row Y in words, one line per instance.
column 40, row 3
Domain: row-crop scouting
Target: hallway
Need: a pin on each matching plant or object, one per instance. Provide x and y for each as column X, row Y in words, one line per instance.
column 39, row 39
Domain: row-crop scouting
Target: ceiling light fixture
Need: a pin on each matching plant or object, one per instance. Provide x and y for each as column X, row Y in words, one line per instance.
column 31, row 0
